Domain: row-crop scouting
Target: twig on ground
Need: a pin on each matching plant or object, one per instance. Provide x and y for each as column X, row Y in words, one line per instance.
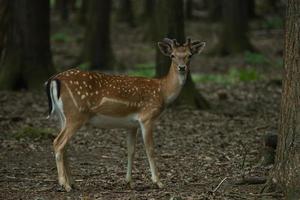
column 219, row 185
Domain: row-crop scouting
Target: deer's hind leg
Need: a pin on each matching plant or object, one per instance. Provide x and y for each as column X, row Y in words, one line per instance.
column 69, row 127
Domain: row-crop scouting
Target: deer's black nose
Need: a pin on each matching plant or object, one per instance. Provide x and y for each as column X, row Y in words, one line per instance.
column 181, row 68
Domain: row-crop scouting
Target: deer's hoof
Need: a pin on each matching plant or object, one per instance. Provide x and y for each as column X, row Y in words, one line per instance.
column 159, row 184
column 67, row 187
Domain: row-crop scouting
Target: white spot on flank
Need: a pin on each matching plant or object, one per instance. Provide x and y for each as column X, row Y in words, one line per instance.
column 82, row 96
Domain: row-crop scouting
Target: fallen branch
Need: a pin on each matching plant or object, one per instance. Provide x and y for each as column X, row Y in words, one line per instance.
column 251, row 180
column 271, row 194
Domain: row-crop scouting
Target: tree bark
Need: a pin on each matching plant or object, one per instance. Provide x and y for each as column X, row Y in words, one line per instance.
column 3, row 24
column 234, row 37
column 82, row 13
column 148, row 9
column 251, row 9
column 287, row 165
column 214, row 10
column 125, row 12
column 189, row 9
column 169, row 22
column 63, row 6
column 97, row 51
column 26, row 61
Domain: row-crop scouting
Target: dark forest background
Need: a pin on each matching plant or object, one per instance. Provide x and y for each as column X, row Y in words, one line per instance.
column 246, row 84
column 39, row 38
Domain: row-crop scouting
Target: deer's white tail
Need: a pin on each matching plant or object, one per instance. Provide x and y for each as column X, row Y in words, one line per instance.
column 54, row 100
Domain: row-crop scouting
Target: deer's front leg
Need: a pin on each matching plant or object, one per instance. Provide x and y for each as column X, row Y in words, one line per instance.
column 146, row 128
column 131, row 141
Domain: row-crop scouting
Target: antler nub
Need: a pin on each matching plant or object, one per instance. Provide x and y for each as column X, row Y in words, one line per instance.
column 187, row 42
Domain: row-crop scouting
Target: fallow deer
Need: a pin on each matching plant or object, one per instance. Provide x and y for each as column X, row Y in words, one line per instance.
column 111, row 101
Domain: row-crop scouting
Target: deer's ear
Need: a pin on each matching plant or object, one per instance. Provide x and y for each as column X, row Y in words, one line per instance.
column 166, row 49
column 197, row 47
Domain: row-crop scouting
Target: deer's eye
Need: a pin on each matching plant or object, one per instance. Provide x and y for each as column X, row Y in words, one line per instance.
column 172, row 56
column 189, row 56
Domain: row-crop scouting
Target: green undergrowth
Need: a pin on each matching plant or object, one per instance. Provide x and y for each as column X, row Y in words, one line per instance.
column 34, row 133
column 231, row 77
column 143, row 69
column 60, row 37
column 275, row 22
column 253, row 58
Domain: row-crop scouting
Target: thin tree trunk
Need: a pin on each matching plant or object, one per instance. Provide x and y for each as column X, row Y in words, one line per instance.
column 125, row 12
column 26, row 61
column 287, row 165
column 234, row 37
column 251, row 9
column 82, row 14
column 214, row 9
column 169, row 22
column 97, row 50
column 148, row 9
column 189, row 9
column 3, row 24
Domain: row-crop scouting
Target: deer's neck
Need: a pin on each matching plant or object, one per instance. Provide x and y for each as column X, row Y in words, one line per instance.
column 172, row 84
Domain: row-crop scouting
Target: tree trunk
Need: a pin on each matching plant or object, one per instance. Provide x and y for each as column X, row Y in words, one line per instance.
column 234, row 37
column 125, row 12
column 82, row 14
column 148, row 18
column 26, row 61
column 3, row 24
column 97, row 50
column 63, row 6
column 169, row 22
column 287, row 165
column 189, row 9
column 251, row 9
column 148, row 9
column 214, row 10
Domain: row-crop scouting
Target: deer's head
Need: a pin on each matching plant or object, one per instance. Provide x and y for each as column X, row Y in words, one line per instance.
column 180, row 53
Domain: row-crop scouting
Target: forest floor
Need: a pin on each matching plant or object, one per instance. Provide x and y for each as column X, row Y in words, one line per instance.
column 195, row 149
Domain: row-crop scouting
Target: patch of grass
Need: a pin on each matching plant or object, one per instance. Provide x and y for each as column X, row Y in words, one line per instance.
column 243, row 75
column 252, row 58
column 34, row 133
column 143, row 69
column 84, row 66
column 273, row 23
column 142, row 72
column 145, row 65
column 233, row 76
column 279, row 63
column 60, row 37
